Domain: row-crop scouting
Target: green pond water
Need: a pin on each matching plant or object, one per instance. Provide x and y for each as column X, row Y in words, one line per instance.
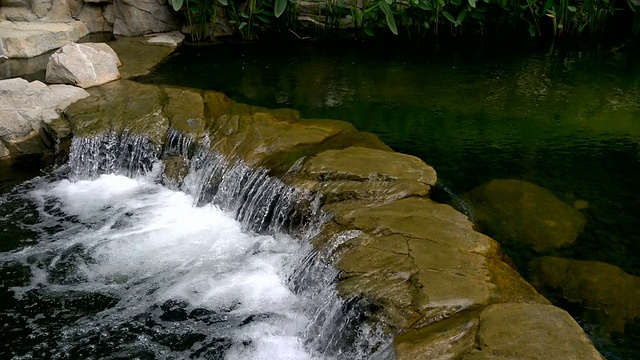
column 567, row 119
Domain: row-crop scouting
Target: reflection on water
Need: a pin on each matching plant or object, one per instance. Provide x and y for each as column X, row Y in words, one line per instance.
column 566, row 119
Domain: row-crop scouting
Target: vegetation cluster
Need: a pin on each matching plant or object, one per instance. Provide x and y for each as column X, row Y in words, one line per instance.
column 412, row 18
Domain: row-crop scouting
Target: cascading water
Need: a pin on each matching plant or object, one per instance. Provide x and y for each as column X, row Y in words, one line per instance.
column 114, row 265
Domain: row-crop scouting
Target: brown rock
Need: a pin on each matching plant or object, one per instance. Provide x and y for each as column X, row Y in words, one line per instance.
column 609, row 296
column 531, row 331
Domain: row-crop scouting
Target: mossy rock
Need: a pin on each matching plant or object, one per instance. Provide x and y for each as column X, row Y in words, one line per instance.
column 185, row 110
column 520, row 212
column 122, row 107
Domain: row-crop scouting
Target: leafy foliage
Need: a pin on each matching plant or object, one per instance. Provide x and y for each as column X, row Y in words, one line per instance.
column 413, row 18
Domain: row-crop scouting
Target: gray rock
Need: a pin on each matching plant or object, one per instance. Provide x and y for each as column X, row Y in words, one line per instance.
column 108, row 14
column 17, row 14
column 4, row 152
column 28, row 39
column 174, row 39
column 93, row 17
column 15, row 3
column 82, row 65
column 133, row 17
column 105, row 48
column 24, row 109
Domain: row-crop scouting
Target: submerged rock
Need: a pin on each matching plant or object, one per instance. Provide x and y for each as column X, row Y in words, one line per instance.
column 138, row 56
column 521, row 331
column 609, row 295
column 84, row 65
column 520, row 212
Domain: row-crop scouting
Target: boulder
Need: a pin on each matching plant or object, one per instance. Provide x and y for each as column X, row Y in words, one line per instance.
column 139, row 17
column 94, row 18
column 28, row 39
column 83, row 65
column 26, row 109
column 530, row 331
column 609, row 296
column 17, row 14
column 520, row 212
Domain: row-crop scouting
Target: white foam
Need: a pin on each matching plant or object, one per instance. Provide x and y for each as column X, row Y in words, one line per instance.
column 148, row 244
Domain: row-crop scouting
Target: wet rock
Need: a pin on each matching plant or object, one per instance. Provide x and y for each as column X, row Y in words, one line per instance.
column 445, row 340
column 521, row 212
column 83, row 65
column 609, row 295
column 26, row 109
column 277, row 139
column 185, row 110
column 29, row 39
column 357, row 173
column 121, row 107
column 530, row 331
column 442, row 272
column 134, row 17
column 93, row 17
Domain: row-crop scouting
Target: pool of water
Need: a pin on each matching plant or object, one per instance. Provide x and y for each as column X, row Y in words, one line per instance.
column 564, row 118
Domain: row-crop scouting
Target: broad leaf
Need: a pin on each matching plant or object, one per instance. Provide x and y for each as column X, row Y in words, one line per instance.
column 472, row 3
column 461, row 17
column 532, row 30
column 223, row 2
column 449, row 17
column 176, row 4
column 279, row 7
column 391, row 22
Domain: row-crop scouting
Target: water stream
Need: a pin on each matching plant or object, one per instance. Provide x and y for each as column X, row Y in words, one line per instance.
column 562, row 116
column 100, row 260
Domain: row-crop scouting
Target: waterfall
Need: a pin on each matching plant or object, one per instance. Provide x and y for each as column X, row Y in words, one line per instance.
column 263, row 205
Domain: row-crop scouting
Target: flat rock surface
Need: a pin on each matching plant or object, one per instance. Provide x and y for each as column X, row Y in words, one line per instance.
column 29, row 39
column 137, row 56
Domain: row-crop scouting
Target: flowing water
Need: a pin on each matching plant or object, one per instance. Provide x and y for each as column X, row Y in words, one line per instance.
column 565, row 118
column 100, row 260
